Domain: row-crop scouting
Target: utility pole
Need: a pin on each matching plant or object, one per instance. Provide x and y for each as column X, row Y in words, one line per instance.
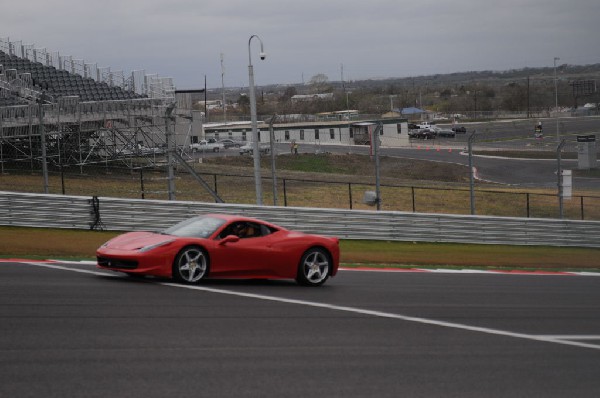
column 556, row 100
column 205, row 108
column 528, row 99
column 223, row 86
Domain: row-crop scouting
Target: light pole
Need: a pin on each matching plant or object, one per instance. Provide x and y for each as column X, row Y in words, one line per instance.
column 223, row 86
column 273, row 174
column 556, row 99
column 256, row 148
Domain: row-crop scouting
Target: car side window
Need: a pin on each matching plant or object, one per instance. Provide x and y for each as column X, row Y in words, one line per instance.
column 266, row 230
column 243, row 230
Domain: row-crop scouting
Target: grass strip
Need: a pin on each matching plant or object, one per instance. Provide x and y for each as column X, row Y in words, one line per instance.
column 69, row 244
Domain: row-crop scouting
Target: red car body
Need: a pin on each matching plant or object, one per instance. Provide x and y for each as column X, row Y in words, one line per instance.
column 276, row 253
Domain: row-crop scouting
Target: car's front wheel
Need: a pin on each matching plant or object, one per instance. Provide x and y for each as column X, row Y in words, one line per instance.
column 314, row 268
column 191, row 265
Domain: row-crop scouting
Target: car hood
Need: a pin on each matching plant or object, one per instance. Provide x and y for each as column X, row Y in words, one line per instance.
column 137, row 240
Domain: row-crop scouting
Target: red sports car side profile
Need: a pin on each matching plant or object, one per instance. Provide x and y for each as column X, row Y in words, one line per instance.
column 223, row 246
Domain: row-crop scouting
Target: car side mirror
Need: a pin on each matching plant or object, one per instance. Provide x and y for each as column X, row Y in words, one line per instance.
column 229, row 239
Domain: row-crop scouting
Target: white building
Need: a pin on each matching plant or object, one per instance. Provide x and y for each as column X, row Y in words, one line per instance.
column 394, row 132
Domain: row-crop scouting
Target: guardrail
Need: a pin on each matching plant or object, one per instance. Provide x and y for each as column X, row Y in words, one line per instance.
column 77, row 212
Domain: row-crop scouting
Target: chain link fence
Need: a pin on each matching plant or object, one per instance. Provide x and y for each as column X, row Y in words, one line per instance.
column 152, row 183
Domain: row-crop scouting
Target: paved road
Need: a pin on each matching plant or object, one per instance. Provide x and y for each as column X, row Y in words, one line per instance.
column 503, row 135
column 514, row 172
column 78, row 332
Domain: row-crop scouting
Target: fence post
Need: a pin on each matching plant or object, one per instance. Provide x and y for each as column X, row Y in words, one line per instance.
column 527, row 204
column 62, row 179
column 142, row 182
column 284, row 194
column 350, row 194
column 471, row 177
column 559, row 174
column 581, row 207
column 215, row 185
column 413, row 199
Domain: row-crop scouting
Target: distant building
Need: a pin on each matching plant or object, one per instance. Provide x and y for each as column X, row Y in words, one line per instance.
column 411, row 111
column 212, row 104
column 312, row 97
column 394, row 132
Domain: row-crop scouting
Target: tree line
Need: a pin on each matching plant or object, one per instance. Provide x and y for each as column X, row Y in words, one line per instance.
column 524, row 90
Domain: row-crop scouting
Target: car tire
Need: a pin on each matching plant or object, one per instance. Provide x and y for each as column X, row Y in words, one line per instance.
column 216, row 150
column 314, row 268
column 191, row 265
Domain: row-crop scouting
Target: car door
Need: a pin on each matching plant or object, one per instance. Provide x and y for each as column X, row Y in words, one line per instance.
column 249, row 256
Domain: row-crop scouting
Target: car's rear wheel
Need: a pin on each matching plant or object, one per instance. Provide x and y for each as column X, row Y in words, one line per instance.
column 314, row 268
column 191, row 265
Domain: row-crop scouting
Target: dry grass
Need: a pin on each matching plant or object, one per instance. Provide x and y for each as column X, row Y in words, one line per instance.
column 48, row 243
column 462, row 255
column 435, row 187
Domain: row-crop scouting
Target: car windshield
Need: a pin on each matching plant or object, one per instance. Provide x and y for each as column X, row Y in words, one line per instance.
column 197, row 227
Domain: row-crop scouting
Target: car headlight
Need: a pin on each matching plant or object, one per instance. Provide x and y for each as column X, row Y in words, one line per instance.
column 154, row 246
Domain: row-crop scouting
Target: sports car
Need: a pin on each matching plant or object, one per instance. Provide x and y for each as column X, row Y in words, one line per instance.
column 223, row 246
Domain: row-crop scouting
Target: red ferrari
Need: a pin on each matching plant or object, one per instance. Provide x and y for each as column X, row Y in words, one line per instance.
column 223, row 246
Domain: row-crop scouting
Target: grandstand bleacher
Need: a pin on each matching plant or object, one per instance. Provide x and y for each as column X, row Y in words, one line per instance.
column 57, row 83
column 61, row 111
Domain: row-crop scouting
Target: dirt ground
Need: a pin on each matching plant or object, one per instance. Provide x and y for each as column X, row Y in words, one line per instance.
column 347, row 167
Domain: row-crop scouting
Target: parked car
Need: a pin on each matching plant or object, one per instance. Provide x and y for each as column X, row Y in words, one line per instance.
column 223, row 246
column 422, row 134
column 229, row 143
column 206, row 146
column 445, row 133
column 249, row 148
column 426, row 125
column 459, row 129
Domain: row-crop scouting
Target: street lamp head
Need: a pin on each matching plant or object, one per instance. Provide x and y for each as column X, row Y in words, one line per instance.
column 262, row 54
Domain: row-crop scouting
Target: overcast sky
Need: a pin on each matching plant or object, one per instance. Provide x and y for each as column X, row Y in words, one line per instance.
column 184, row 39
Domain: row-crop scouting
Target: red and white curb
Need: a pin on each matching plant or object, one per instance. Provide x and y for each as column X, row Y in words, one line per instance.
column 371, row 269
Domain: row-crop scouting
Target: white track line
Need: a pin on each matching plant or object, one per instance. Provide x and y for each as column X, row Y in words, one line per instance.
column 432, row 270
column 542, row 338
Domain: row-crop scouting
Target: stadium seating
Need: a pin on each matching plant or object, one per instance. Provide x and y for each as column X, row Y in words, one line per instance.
column 59, row 83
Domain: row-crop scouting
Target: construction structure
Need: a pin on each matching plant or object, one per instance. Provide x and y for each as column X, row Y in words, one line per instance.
column 65, row 112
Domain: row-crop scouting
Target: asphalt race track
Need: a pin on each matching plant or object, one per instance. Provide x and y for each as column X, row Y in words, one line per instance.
column 502, row 135
column 71, row 330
